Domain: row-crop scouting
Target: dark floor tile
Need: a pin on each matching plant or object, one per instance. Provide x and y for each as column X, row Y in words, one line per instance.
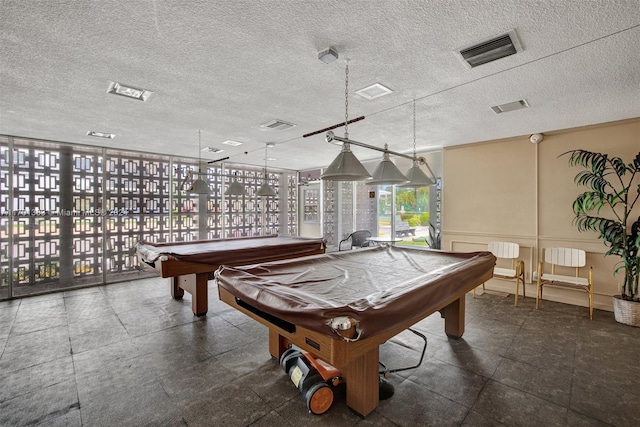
column 24, row 381
column 413, row 404
column 337, row 415
column 90, row 341
column 254, row 329
column 231, row 405
column 490, row 335
column 12, row 361
column 82, row 313
column 235, row 317
column 185, row 384
column 504, row 311
column 40, row 405
column 543, row 348
column 222, row 337
column 136, row 327
column 69, row 419
column 37, row 324
column 456, row 384
column 273, row 419
column 513, row 407
column 610, row 359
column 46, row 309
column 271, row 383
column 8, row 311
column 158, row 363
column 106, row 369
column 188, row 335
column 87, row 326
column 575, row 419
column 609, row 403
column 475, row 419
column 463, row 355
column 244, row 359
column 142, row 404
column 547, row 383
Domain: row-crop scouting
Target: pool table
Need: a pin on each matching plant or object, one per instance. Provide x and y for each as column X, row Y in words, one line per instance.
column 191, row 264
column 341, row 306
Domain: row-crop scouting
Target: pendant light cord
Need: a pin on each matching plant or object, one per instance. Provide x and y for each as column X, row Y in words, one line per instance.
column 346, row 102
column 414, row 128
column 199, row 152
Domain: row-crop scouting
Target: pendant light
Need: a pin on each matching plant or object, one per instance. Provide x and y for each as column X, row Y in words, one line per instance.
column 265, row 190
column 386, row 172
column 346, row 167
column 417, row 178
column 199, row 186
column 235, row 188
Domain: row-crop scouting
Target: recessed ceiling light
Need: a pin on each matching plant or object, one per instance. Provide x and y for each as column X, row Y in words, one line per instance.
column 271, row 144
column 277, row 125
column 374, row 91
column 101, row 134
column 129, row 92
column 212, row 150
column 510, row 106
column 232, row 143
column 270, row 159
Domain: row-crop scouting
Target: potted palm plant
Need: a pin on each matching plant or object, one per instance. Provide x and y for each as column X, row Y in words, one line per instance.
column 606, row 208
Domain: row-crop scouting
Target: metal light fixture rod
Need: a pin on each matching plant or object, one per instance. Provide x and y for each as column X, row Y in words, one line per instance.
column 330, row 136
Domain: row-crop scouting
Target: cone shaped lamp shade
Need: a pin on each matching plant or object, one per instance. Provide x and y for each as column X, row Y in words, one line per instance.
column 345, row 167
column 387, row 173
column 235, row 189
column 417, row 178
column 266, row 190
column 200, row 187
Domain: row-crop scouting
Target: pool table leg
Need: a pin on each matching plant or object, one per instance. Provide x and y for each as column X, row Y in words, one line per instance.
column 176, row 291
column 197, row 285
column 454, row 318
column 363, row 381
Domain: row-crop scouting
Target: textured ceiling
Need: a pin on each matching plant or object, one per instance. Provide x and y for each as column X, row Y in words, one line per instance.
column 226, row 67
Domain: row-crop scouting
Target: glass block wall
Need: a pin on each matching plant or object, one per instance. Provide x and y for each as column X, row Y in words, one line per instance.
column 70, row 215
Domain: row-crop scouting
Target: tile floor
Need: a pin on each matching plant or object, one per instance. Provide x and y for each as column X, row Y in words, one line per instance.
column 128, row 355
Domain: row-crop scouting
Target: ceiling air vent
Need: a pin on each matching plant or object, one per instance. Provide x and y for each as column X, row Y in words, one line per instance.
column 277, row 125
column 490, row 50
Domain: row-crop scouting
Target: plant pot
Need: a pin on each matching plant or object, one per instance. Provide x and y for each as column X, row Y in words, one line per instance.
column 627, row 312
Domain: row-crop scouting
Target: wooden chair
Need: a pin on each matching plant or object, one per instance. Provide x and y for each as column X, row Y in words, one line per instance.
column 356, row 239
column 511, row 251
column 565, row 257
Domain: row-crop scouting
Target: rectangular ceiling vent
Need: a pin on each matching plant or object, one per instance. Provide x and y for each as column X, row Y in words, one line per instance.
column 510, row 106
column 490, row 50
column 277, row 125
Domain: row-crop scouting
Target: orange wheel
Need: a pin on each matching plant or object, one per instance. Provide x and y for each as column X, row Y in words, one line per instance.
column 319, row 398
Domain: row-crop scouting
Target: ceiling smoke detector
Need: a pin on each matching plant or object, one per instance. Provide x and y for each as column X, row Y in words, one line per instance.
column 328, row 55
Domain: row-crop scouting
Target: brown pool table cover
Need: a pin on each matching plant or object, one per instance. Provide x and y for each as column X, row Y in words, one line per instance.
column 376, row 286
column 249, row 250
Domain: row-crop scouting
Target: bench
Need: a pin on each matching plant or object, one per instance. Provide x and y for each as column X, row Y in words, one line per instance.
column 403, row 229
